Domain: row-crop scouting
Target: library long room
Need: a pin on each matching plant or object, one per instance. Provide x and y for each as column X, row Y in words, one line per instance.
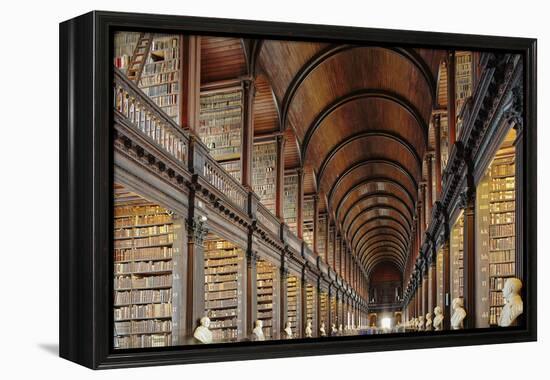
column 276, row 190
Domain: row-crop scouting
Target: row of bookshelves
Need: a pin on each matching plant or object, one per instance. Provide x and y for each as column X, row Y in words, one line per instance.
column 266, row 295
column 143, row 231
column 143, row 254
column 150, row 326
column 143, row 296
column 143, row 341
column 149, row 241
column 457, row 259
column 293, row 296
column 264, row 173
column 142, row 266
column 290, row 200
column 156, row 310
column 131, row 282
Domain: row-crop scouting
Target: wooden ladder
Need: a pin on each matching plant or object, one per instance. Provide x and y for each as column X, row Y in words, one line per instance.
column 137, row 62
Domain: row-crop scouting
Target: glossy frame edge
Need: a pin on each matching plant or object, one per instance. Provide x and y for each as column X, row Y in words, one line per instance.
column 85, row 162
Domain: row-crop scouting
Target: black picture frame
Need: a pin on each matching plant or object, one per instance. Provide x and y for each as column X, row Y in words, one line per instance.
column 86, row 161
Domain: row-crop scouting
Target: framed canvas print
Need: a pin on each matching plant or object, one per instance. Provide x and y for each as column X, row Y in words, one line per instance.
column 238, row 190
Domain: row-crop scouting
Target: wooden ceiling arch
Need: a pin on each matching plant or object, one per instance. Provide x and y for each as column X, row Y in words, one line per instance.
column 383, row 255
column 377, row 199
column 381, row 238
column 380, row 261
column 382, row 245
column 381, row 230
column 379, row 207
column 381, row 220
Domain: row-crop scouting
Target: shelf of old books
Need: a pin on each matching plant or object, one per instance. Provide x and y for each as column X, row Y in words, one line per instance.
column 495, row 239
column 444, row 132
column 220, row 125
column 290, row 200
column 463, row 81
column 143, row 251
column 293, row 297
column 457, row 258
column 264, row 170
column 311, row 305
column 267, row 297
column 223, row 272
column 124, row 45
column 333, row 314
column 330, row 251
column 321, row 240
column 307, row 215
column 160, row 76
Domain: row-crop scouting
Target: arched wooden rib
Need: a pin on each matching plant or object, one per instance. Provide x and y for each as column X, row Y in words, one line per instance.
column 377, row 207
column 363, row 94
column 332, row 50
column 382, row 230
column 370, row 134
column 379, row 218
column 373, row 239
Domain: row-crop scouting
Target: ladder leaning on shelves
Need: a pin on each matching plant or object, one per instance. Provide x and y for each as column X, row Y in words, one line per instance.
column 139, row 57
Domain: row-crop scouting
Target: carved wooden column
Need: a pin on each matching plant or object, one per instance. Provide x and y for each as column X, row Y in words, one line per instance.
column 300, row 204
column 320, row 316
column 315, row 223
column 247, row 136
column 190, row 81
column 327, row 237
column 280, row 179
column 425, row 290
column 516, row 117
column 432, row 279
column 437, row 168
column 282, row 295
column 451, row 97
column 251, row 286
column 429, row 193
column 196, row 232
column 329, row 307
column 468, row 203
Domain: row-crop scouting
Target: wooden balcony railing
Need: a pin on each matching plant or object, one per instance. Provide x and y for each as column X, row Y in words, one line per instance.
column 143, row 114
column 268, row 220
column 216, row 175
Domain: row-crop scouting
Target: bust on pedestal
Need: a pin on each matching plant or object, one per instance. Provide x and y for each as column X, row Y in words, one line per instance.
column 333, row 330
column 513, row 307
column 429, row 322
column 308, row 331
column 457, row 319
column 202, row 332
column 322, row 330
column 288, row 331
column 340, row 330
column 258, row 333
column 438, row 319
column 420, row 325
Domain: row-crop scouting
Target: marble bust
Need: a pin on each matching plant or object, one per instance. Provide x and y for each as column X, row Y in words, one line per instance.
column 340, row 329
column 202, row 333
column 429, row 322
column 322, row 330
column 288, row 331
column 333, row 330
column 513, row 306
column 457, row 319
column 308, row 331
column 420, row 325
column 438, row 319
column 258, row 333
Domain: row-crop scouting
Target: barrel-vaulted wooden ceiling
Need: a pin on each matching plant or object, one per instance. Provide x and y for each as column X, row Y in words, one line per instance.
column 356, row 118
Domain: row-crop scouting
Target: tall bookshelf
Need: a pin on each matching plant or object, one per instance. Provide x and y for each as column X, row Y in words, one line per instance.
column 333, row 315
column 143, row 252
column 160, row 77
column 311, row 306
column 444, row 133
column 307, row 231
column 330, row 253
column 267, row 295
column 124, row 45
column 290, row 200
column 496, row 236
column 293, row 302
column 338, row 249
column 323, row 317
column 264, row 170
column 223, row 271
column 457, row 258
column 463, row 78
column 220, row 126
column 322, row 232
